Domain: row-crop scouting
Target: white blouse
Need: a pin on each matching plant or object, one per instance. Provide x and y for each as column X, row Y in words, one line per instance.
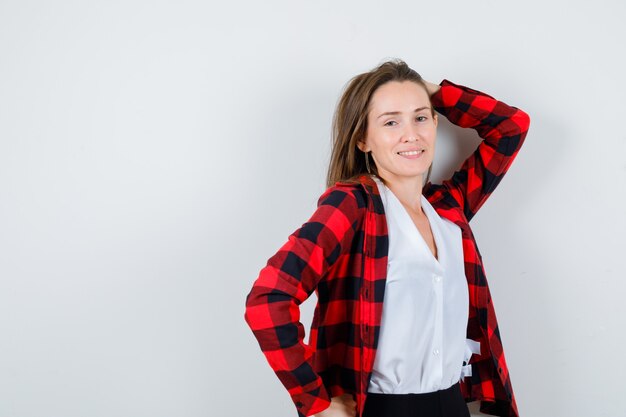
column 422, row 342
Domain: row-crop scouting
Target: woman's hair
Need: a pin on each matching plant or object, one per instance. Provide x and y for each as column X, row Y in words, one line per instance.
column 347, row 161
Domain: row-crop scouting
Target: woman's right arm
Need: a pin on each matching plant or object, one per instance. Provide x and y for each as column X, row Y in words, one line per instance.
column 289, row 278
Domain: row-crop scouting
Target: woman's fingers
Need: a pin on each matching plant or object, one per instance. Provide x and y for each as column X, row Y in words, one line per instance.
column 340, row 406
column 349, row 404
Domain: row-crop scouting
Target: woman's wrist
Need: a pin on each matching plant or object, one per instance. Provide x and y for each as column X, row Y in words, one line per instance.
column 431, row 88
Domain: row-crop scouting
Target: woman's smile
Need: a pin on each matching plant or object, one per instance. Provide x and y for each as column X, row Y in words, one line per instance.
column 411, row 154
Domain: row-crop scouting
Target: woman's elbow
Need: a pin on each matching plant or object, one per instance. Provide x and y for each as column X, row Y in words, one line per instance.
column 253, row 303
column 522, row 119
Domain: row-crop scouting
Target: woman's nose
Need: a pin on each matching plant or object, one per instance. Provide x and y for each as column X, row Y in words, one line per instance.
column 410, row 135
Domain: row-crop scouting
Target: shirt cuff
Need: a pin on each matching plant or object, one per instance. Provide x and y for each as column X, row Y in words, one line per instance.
column 450, row 93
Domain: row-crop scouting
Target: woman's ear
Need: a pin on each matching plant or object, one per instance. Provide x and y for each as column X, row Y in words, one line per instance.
column 361, row 145
column 435, row 119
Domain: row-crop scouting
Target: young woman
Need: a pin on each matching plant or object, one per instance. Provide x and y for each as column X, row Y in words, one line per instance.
column 404, row 325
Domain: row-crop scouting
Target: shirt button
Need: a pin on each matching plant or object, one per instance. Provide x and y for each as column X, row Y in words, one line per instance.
column 437, row 278
column 436, row 351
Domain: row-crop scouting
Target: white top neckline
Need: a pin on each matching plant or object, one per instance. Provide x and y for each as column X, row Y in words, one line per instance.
column 430, row 212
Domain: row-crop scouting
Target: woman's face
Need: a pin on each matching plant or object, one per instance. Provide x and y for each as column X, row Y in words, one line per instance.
column 399, row 123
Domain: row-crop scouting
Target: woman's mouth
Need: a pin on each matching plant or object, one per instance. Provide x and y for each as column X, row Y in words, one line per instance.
column 411, row 154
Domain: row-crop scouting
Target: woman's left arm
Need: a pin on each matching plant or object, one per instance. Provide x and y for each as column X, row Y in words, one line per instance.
column 503, row 128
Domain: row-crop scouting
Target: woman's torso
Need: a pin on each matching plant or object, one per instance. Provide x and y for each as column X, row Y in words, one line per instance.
column 422, row 342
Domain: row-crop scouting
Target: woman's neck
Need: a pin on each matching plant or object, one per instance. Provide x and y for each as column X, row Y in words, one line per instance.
column 408, row 191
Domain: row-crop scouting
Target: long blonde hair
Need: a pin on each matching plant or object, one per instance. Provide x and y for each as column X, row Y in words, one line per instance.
column 347, row 161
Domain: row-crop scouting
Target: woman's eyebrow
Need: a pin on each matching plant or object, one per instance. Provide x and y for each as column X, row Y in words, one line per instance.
column 393, row 113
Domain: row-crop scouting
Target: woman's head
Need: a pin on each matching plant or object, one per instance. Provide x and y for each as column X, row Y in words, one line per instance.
column 376, row 118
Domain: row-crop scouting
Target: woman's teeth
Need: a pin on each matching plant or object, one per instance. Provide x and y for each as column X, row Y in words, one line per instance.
column 411, row 152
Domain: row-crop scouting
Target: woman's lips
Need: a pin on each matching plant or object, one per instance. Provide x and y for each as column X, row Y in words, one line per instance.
column 411, row 154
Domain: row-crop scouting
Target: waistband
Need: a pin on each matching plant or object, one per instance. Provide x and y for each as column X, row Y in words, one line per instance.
column 416, row 396
column 442, row 403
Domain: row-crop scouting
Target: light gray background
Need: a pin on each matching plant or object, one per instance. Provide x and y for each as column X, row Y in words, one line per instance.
column 154, row 154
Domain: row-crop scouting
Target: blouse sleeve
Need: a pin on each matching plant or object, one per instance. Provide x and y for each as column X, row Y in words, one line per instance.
column 503, row 129
column 289, row 278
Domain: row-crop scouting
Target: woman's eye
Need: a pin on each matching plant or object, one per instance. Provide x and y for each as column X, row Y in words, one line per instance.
column 390, row 121
column 422, row 118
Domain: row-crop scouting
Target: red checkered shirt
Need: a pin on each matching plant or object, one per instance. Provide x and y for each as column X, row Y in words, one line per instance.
column 340, row 253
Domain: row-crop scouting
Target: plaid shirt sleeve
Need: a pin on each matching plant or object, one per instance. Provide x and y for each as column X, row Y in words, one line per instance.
column 288, row 279
column 503, row 129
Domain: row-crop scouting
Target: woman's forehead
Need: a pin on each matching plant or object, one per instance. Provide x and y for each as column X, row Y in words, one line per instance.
column 402, row 97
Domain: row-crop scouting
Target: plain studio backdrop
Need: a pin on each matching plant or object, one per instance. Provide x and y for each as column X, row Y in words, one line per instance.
column 155, row 154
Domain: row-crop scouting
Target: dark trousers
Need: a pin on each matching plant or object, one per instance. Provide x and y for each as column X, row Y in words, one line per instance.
column 444, row 403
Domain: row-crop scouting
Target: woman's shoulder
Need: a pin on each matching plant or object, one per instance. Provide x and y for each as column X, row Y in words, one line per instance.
column 438, row 195
column 347, row 196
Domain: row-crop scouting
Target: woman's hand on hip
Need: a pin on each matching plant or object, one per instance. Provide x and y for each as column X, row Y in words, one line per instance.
column 341, row 406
